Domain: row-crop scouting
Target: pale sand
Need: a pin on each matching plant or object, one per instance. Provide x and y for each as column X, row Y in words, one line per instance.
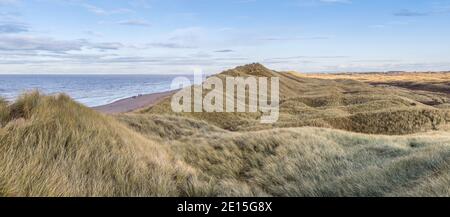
column 134, row 103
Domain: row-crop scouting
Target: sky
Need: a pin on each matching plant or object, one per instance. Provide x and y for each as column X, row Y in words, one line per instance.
column 178, row 36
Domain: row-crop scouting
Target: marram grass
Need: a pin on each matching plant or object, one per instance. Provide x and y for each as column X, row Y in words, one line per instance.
column 53, row 146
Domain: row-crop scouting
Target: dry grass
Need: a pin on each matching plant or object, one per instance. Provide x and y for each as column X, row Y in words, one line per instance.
column 51, row 153
column 57, row 147
column 310, row 161
column 341, row 104
column 423, row 77
column 4, row 112
column 52, row 146
column 438, row 82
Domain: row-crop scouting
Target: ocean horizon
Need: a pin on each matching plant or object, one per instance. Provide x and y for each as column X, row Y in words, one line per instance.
column 91, row 90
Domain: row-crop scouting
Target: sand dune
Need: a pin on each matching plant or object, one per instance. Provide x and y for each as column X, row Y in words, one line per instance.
column 53, row 146
column 341, row 104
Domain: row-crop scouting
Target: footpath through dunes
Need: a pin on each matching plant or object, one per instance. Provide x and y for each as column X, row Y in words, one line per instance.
column 315, row 162
column 53, row 146
column 333, row 103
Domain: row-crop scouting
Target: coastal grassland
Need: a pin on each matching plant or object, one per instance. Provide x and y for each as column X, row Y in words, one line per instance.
column 437, row 82
column 422, row 77
column 308, row 161
column 52, row 146
column 4, row 111
column 335, row 137
column 337, row 104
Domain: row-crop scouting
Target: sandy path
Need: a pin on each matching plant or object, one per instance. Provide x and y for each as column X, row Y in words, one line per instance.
column 133, row 103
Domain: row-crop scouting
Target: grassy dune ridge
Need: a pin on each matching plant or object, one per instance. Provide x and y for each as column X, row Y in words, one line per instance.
column 339, row 104
column 317, row 162
column 53, row 146
column 56, row 147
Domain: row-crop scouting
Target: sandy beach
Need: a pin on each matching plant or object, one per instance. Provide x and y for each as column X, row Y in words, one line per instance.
column 133, row 103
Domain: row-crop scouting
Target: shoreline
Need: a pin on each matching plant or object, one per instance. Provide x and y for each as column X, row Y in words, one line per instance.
column 133, row 103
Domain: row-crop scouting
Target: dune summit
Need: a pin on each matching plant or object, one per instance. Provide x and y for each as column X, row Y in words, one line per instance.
column 331, row 140
column 340, row 104
column 230, row 94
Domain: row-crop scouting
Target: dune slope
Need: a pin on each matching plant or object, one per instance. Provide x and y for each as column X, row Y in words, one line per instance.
column 307, row 161
column 340, row 104
column 45, row 152
column 53, row 146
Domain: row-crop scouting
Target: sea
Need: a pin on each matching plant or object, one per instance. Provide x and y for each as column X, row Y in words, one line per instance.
column 90, row 90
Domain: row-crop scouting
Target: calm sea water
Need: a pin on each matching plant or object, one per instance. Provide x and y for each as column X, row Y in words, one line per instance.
column 91, row 90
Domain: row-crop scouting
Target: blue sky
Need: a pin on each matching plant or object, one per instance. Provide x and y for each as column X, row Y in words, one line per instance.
column 177, row 36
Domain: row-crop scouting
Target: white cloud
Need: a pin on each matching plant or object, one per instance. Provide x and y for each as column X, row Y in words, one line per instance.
column 134, row 23
column 141, row 4
column 31, row 43
column 8, row 2
column 102, row 11
column 410, row 13
column 13, row 27
column 182, row 38
column 295, row 38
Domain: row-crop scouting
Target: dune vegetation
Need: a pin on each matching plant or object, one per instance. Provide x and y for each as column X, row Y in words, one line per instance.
column 339, row 104
column 53, row 146
column 334, row 138
column 436, row 82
